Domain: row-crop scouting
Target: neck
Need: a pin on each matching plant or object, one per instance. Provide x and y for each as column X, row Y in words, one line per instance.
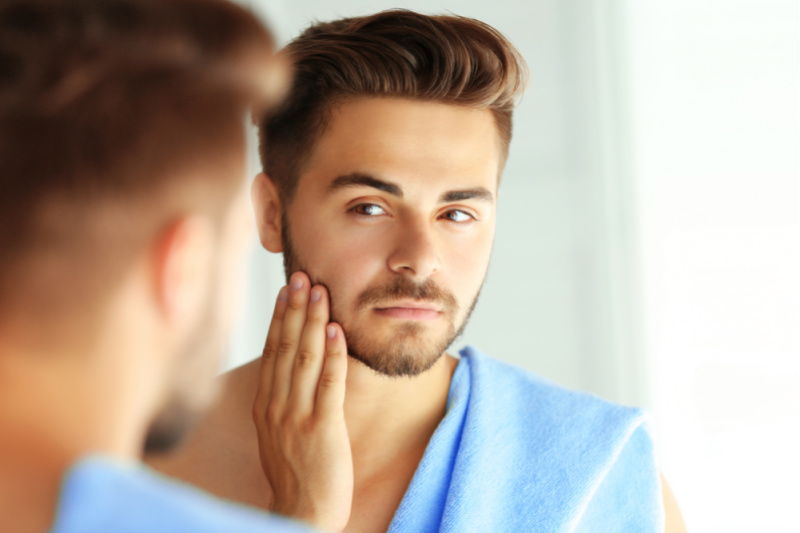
column 53, row 410
column 391, row 417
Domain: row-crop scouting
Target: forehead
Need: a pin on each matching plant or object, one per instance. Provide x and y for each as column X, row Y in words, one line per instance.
column 410, row 142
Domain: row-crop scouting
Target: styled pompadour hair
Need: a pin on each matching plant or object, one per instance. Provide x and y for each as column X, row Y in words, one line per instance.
column 398, row 53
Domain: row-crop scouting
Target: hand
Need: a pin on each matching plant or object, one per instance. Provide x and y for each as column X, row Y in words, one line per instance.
column 299, row 409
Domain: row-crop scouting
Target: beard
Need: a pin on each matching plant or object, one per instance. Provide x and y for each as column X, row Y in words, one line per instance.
column 406, row 352
column 170, row 427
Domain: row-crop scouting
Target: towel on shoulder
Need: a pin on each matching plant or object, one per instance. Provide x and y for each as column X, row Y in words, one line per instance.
column 518, row 453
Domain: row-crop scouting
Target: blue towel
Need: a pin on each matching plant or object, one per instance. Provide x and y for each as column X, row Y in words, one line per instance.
column 517, row 453
column 100, row 495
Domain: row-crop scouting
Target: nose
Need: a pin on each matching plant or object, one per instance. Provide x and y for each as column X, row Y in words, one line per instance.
column 416, row 253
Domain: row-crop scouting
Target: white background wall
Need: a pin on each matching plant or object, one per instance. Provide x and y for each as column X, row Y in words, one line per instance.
column 715, row 87
column 648, row 244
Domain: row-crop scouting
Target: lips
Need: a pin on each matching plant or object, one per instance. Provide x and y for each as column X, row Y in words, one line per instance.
column 410, row 310
column 411, row 304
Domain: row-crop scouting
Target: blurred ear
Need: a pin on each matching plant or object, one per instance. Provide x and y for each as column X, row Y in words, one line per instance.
column 183, row 268
column 267, row 208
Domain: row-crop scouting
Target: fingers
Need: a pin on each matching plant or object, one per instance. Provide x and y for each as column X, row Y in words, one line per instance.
column 299, row 409
column 331, row 390
column 310, row 353
column 270, row 353
column 304, row 365
column 292, row 328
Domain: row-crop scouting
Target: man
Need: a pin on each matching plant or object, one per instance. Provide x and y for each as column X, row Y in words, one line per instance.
column 380, row 182
column 122, row 222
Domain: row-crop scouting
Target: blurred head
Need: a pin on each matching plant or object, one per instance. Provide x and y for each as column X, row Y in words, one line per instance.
column 381, row 172
column 122, row 146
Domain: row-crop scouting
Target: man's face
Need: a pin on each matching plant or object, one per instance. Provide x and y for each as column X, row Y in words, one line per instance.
column 395, row 215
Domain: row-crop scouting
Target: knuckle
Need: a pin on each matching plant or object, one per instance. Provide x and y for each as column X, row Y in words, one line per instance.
column 286, row 346
column 328, row 381
column 316, row 318
column 335, row 351
column 296, row 304
column 270, row 351
column 304, row 358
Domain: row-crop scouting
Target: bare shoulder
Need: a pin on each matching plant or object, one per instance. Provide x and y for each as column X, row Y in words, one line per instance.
column 221, row 453
column 673, row 518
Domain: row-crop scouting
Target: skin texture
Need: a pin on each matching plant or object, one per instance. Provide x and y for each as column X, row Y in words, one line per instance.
column 429, row 226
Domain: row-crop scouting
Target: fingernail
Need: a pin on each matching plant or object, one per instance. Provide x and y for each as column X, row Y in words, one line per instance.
column 315, row 295
column 296, row 283
column 331, row 331
column 283, row 295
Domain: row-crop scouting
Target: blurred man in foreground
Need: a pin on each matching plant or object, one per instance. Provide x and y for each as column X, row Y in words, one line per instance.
column 123, row 221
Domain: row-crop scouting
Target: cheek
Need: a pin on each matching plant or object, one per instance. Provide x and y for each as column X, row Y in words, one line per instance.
column 468, row 265
column 347, row 264
column 472, row 252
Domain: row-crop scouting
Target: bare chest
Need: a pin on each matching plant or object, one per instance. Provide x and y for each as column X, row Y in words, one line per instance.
column 374, row 506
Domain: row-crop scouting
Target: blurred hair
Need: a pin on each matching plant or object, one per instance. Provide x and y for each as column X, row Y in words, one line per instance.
column 449, row 59
column 105, row 105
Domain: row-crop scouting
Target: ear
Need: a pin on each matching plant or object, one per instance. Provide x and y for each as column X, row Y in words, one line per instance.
column 182, row 271
column 268, row 211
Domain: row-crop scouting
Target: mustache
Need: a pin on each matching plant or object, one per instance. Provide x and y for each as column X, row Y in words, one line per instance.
column 405, row 288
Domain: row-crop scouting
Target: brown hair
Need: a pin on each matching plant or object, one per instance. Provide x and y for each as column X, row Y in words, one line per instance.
column 112, row 102
column 398, row 53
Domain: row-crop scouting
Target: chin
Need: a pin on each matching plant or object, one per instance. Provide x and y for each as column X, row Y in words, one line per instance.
column 401, row 352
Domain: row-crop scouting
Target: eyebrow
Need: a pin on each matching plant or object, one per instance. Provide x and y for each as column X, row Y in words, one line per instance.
column 360, row 179
column 478, row 193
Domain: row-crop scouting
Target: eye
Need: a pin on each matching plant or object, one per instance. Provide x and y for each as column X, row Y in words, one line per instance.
column 457, row 215
column 368, row 210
